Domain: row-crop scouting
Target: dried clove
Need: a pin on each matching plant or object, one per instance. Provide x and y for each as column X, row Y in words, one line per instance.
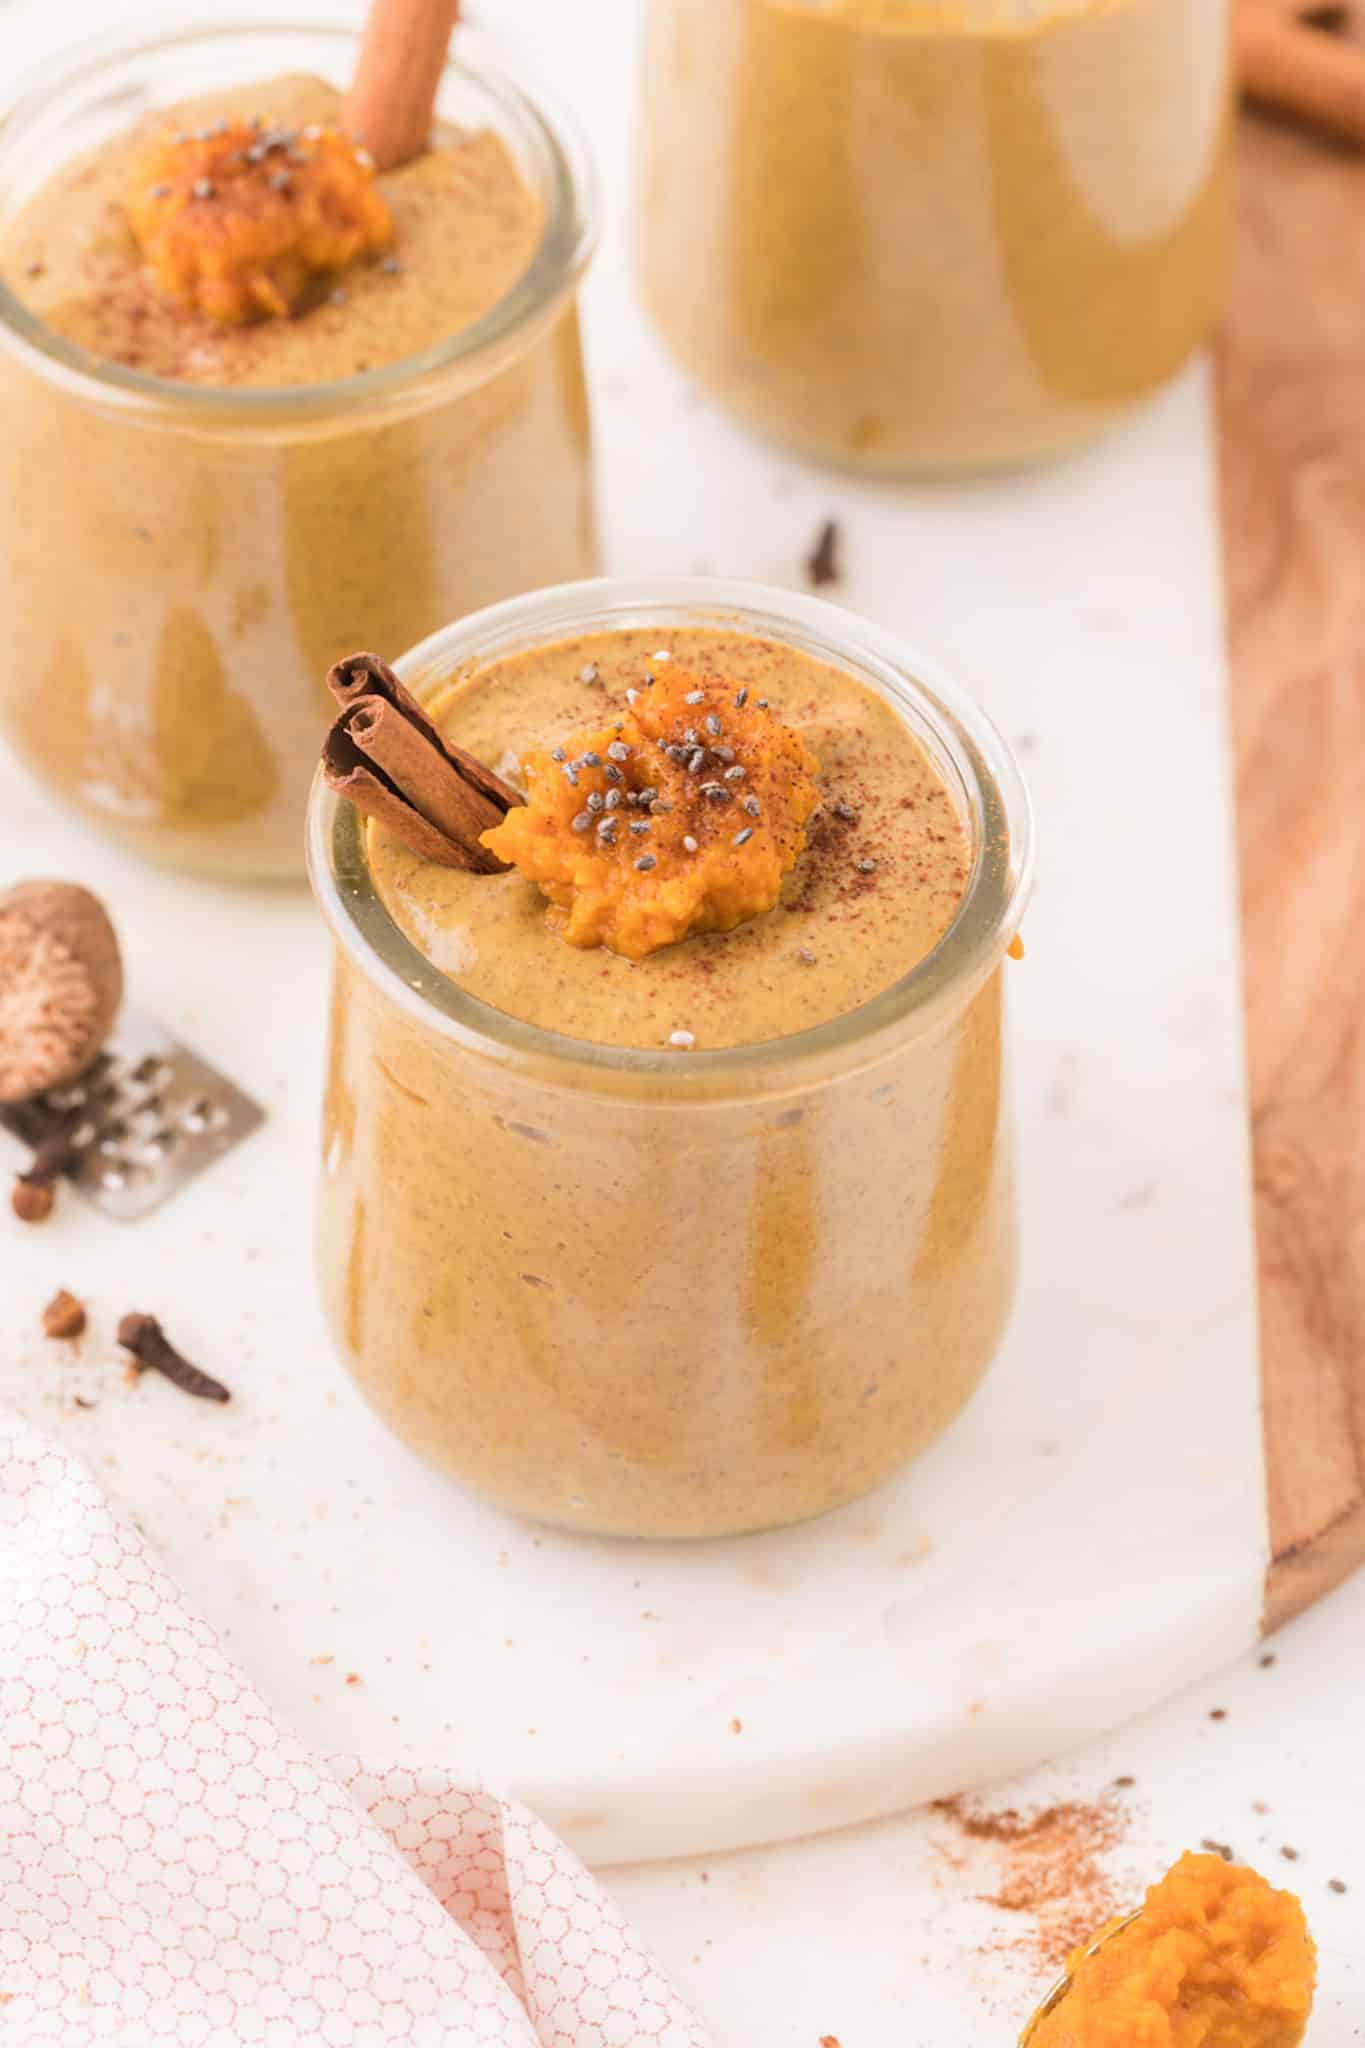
column 152, row 1350
column 822, row 565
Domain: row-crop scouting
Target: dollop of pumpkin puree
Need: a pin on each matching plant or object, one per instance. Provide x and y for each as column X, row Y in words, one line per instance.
column 238, row 221
column 680, row 815
column 1216, row 1959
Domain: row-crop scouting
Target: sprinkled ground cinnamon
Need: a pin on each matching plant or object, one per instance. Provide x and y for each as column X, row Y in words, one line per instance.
column 1043, row 1867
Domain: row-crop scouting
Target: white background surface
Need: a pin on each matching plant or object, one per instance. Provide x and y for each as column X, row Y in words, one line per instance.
column 1083, row 605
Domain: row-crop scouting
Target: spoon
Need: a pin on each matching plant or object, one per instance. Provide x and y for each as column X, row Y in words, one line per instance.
column 1060, row 1989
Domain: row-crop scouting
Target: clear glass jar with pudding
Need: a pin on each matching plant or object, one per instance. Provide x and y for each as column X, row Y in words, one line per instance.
column 933, row 234
column 196, row 519
column 710, row 1240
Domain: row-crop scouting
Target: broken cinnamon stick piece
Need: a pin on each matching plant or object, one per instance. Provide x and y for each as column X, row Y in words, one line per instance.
column 393, row 94
column 385, row 756
column 1295, row 67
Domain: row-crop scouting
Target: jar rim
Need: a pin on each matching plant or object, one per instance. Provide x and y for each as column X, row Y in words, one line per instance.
column 567, row 241
column 984, row 925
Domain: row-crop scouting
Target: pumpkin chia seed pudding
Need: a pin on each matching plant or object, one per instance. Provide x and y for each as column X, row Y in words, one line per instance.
column 274, row 402
column 668, row 1182
column 934, row 234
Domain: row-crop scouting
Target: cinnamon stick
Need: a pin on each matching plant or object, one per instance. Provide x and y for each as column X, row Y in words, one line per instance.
column 392, row 96
column 385, row 756
column 1287, row 59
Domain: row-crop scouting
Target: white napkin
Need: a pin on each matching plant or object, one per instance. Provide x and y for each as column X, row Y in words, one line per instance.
column 175, row 1866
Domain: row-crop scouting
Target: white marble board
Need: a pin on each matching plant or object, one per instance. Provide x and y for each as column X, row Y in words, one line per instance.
column 1090, row 1536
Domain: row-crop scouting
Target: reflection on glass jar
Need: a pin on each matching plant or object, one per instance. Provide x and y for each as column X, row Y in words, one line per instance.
column 194, row 523
column 934, row 233
column 661, row 1295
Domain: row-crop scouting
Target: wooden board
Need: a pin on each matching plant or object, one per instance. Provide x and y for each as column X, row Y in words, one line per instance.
column 1291, row 407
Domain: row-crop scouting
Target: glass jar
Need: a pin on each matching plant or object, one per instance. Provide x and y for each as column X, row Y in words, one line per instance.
column 181, row 564
column 933, row 234
column 648, row 1295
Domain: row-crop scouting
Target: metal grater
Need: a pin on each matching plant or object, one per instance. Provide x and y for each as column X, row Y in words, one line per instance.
column 152, row 1115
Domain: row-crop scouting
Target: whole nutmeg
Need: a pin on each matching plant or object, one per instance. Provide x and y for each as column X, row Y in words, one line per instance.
column 61, row 983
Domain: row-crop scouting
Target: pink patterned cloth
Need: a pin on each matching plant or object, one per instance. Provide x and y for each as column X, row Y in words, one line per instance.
column 175, row 1866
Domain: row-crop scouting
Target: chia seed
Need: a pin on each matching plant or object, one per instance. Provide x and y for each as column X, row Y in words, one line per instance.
column 684, row 1040
column 713, row 726
column 753, row 806
column 741, row 699
column 762, row 703
column 590, row 760
column 588, row 674
column 639, row 826
column 805, row 956
column 689, row 843
column 613, row 799
column 661, row 654
column 695, row 697
column 742, row 838
column 569, row 774
column 697, row 762
column 631, row 696
column 867, row 867
column 735, row 774
column 596, row 801
column 717, row 792
column 613, row 773
column 648, row 795
column 619, row 751
column 583, row 822
column 846, row 812
column 645, row 863
column 725, row 754
column 558, row 754
column 691, row 737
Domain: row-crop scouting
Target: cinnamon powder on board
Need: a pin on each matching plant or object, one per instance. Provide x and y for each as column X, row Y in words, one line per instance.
column 1043, row 1867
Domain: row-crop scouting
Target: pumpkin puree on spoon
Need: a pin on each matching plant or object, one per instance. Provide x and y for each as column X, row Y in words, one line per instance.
column 1216, row 1959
